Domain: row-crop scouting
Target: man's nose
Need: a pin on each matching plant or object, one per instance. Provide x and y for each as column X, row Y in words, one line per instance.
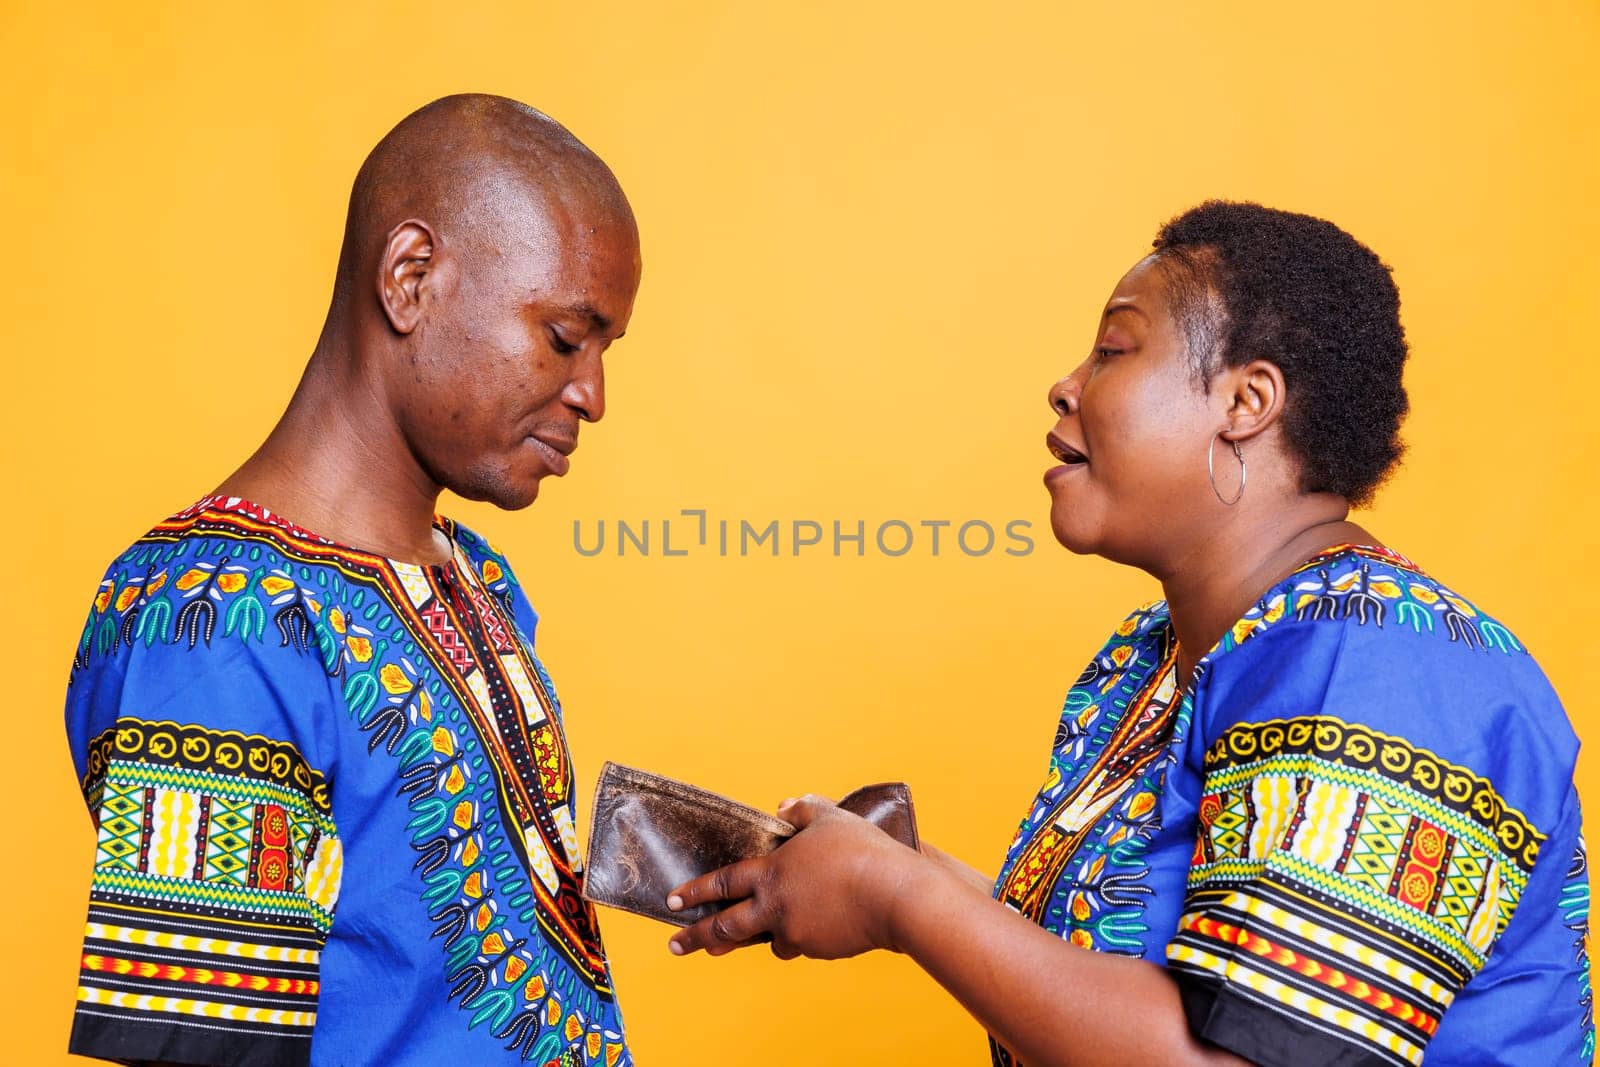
column 586, row 390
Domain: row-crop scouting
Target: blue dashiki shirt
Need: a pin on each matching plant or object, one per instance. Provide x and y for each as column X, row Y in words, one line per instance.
column 1355, row 840
column 333, row 807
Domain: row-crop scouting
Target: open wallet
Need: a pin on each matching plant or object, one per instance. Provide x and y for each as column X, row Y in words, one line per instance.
column 650, row 834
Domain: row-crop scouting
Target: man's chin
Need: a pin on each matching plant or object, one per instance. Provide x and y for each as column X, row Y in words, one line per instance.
column 507, row 494
column 517, row 498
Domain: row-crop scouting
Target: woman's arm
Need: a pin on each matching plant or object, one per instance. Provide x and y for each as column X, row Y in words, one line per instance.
column 962, row 870
column 1045, row 999
column 842, row 887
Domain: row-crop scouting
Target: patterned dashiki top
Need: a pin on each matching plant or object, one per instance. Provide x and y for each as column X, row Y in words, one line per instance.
column 333, row 806
column 1361, row 815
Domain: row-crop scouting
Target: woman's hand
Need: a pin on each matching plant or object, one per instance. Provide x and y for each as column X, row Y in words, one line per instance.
column 828, row 892
column 841, row 887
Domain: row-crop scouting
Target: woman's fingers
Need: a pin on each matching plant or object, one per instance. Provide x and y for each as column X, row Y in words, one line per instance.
column 733, row 882
column 734, row 927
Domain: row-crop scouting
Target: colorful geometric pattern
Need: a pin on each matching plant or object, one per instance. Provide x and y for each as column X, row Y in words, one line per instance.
column 1350, row 875
column 1097, row 806
column 431, row 674
column 267, row 827
column 1324, row 589
column 1077, row 864
column 247, row 864
column 1575, row 917
column 1341, row 883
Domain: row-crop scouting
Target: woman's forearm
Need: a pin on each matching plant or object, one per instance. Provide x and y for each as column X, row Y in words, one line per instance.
column 965, row 871
column 841, row 887
column 1045, row 999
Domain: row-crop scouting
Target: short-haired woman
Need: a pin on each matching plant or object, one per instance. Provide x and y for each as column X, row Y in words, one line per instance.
column 1313, row 806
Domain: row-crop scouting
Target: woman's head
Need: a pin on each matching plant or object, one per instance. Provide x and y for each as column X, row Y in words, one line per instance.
column 1248, row 282
column 1271, row 330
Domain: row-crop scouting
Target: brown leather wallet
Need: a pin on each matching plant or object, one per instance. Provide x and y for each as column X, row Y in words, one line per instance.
column 650, row 834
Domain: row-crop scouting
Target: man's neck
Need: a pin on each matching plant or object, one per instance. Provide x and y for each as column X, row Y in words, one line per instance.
column 337, row 465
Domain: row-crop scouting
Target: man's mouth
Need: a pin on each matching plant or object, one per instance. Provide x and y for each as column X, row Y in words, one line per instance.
column 1063, row 451
column 555, row 451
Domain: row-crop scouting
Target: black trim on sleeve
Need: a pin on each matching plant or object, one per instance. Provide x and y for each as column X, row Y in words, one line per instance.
column 1221, row 1014
column 211, row 1043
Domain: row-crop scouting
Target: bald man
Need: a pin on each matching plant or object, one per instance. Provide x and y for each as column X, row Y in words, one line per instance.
column 332, row 796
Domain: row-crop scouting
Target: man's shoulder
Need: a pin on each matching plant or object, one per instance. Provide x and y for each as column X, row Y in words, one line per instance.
column 220, row 526
column 213, row 578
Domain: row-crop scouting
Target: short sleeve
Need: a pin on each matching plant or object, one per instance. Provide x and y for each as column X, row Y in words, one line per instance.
column 1379, row 807
column 193, row 715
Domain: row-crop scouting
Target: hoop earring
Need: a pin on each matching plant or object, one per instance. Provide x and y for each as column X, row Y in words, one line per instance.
column 1212, row 473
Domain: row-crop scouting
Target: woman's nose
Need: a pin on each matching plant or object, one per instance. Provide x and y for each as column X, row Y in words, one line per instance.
column 1065, row 395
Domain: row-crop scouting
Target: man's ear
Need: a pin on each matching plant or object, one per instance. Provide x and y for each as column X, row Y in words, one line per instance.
column 407, row 260
column 1255, row 394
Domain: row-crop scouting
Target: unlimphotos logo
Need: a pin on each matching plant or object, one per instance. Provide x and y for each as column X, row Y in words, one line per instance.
column 694, row 532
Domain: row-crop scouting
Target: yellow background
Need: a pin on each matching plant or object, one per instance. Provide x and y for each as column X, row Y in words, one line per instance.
column 873, row 235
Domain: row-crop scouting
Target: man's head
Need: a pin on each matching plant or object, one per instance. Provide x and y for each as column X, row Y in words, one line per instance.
column 489, row 259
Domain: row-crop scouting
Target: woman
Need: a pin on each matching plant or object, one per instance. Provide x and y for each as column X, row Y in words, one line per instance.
column 1312, row 807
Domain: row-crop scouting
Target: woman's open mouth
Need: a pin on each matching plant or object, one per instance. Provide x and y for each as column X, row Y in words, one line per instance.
column 1063, row 451
column 1071, row 459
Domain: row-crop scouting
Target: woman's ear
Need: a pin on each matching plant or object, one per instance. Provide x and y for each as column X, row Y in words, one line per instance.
column 1255, row 394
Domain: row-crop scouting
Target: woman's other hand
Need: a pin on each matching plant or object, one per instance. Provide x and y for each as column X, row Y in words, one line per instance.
column 828, row 892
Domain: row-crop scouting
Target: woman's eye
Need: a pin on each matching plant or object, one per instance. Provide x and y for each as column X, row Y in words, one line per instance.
column 561, row 345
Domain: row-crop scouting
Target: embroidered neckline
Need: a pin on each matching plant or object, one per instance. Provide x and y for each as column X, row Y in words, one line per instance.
column 223, row 504
column 1250, row 624
column 1350, row 548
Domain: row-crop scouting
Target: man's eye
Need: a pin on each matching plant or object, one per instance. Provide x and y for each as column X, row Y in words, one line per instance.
column 1104, row 353
column 560, row 344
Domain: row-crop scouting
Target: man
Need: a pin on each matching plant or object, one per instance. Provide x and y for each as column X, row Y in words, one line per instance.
column 332, row 796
